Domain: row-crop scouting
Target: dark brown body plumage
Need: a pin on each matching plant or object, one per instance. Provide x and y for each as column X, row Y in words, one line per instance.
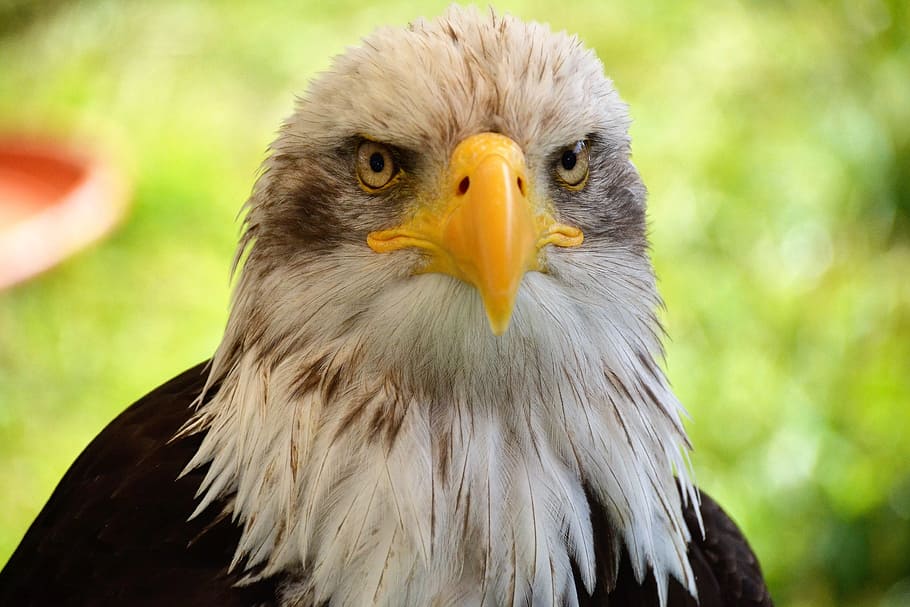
column 115, row 531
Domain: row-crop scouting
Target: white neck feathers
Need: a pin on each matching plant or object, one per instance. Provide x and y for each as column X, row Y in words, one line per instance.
column 391, row 451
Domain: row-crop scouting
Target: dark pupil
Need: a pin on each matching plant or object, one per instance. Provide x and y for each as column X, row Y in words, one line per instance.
column 569, row 158
column 377, row 162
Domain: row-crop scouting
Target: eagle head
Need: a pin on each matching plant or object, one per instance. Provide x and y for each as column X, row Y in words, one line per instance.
column 441, row 348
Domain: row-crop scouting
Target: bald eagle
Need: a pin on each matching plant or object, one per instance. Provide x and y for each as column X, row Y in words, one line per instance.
column 438, row 382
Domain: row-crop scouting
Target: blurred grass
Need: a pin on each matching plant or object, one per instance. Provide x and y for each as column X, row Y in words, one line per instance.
column 775, row 140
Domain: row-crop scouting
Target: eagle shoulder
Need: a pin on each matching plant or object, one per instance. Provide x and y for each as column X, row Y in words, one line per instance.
column 725, row 556
column 727, row 572
column 115, row 529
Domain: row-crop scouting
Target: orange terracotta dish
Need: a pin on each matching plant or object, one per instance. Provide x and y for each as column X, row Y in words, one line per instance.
column 54, row 200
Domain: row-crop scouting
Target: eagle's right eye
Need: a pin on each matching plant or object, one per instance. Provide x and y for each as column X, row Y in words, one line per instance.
column 376, row 167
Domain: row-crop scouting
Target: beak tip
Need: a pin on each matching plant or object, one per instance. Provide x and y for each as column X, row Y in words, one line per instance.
column 499, row 320
column 499, row 328
column 499, row 304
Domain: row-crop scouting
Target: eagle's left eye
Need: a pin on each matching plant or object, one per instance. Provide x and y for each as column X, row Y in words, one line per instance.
column 376, row 166
column 572, row 165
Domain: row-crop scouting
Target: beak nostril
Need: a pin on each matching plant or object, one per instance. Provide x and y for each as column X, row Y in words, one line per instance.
column 463, row 186
column 521, row 186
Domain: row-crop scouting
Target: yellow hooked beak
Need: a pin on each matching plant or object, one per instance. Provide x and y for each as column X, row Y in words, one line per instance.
column 484, row 230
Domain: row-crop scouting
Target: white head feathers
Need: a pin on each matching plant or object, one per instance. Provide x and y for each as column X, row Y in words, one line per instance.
column 371, row 435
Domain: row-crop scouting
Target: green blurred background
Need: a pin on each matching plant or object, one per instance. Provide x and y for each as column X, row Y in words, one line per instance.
column 774, row 138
